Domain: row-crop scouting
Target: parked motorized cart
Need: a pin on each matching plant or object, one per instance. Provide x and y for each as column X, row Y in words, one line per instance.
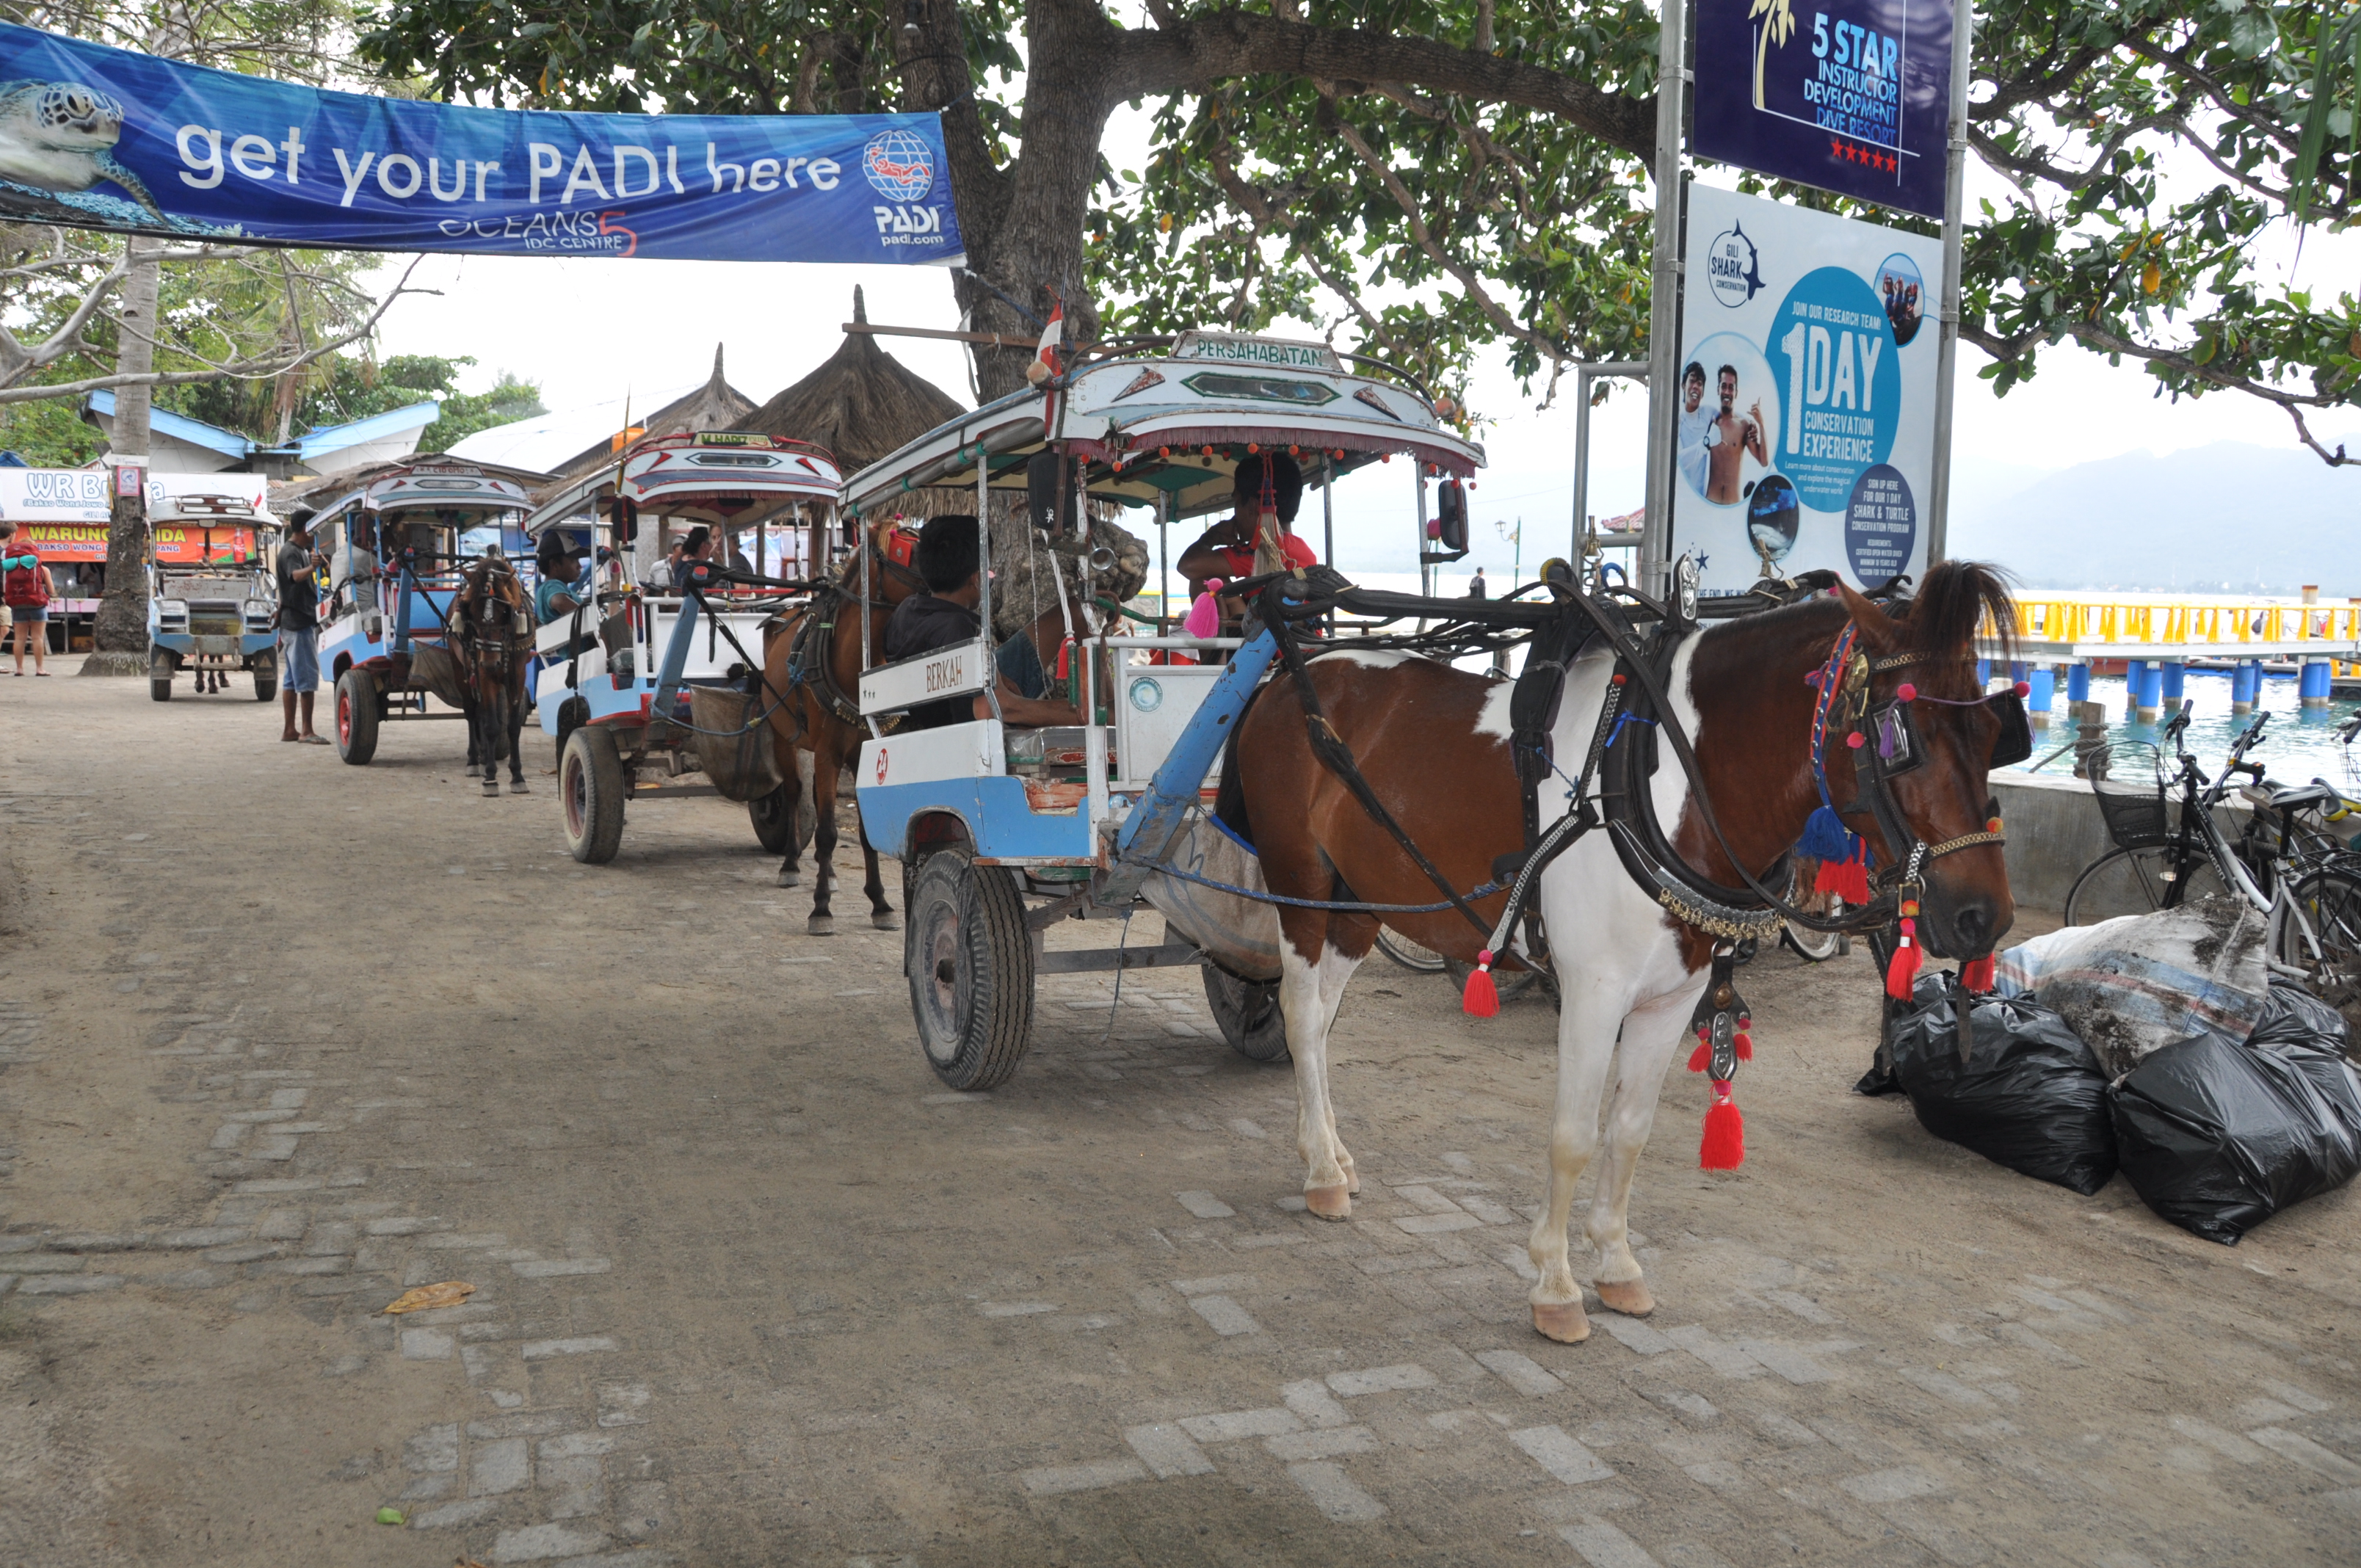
column 1003, row 832
column 391, row 536
column 645, row 681
column 212, row 611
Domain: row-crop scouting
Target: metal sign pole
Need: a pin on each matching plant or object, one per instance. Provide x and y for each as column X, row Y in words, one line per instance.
column 1665, row 295
column 1946, row 349
column 1583, row 375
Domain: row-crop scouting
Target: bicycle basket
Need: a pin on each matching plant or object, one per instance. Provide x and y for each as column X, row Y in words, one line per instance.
column 2133, row 811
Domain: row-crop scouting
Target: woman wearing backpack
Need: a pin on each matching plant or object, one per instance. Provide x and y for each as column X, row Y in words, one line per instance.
column 24, row 586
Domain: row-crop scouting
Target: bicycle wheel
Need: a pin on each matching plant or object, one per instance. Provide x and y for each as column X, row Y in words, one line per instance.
column 2134, row 882
column 2330, row 899
column 1407, row 953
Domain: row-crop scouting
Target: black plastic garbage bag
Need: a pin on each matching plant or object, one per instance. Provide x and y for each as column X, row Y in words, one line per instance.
column 2218, row 1137
column 2031, row 1096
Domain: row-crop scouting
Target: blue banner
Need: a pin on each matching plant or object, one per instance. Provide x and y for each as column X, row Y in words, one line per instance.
column 1853, row 96
column 99, row 138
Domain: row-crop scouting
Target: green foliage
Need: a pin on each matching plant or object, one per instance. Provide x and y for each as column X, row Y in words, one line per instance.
column 2150, row 146
column 344, row 387
column 49, row 434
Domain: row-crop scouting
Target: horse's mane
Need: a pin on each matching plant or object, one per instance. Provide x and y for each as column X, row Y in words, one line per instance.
column 1955, row 598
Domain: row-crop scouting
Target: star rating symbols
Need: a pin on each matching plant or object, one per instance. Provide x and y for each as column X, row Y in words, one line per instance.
column 1853, row 153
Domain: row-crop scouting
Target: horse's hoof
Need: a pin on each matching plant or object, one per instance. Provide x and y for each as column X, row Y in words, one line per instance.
column 1564, row 1323
column 1329, row 1202
column 518, row 787
column 885, row 922
column 791, row 879
column 821, row 925
column 492, row 789
column 1629, row 1297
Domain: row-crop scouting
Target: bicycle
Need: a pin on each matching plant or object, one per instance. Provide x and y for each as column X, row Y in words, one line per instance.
column 2300, row 877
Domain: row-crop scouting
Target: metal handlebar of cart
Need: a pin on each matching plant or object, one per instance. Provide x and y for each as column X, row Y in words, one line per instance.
column 642, row 684
column 1003, row 832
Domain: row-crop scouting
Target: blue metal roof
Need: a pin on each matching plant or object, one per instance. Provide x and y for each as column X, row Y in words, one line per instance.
column 336, row 437
column 318, row 443
column 196, row 433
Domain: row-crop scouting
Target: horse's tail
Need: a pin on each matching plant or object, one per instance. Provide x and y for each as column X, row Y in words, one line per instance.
column 1230, row 796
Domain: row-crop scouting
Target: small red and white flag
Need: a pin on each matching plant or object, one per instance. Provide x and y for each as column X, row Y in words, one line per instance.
column 1053, row 335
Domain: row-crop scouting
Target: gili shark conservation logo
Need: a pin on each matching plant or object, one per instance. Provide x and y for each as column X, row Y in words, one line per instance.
column 1733, row 267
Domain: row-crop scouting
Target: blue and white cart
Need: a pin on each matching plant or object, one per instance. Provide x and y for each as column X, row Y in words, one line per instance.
column 217, row 613
column 651, row 681
column 1002, row 832
column 392, row 537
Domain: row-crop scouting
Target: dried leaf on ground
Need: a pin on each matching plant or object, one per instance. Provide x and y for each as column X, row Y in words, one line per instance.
column 450, row 1293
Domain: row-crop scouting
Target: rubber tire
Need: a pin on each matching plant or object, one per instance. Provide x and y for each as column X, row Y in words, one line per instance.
column 590, row 790
column 1413, row 956
column 356, row 716
column 778, row 835
column 966, row 919
column 1814, row 947
column 160, row 688
column 2331, row 900
column 1247, row 1013
column 2131, row 882
column 266, row 679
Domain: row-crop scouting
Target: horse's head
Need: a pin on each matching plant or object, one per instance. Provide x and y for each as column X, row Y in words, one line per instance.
column 894, row 576
column 1927, row 739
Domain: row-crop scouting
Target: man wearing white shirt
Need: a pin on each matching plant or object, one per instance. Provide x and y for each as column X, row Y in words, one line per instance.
column 1696, row 419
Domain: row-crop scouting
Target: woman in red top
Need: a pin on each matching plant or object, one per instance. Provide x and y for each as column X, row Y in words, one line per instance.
column 1226, row 550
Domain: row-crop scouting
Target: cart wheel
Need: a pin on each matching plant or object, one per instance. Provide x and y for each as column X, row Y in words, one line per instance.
column 161, row 687
column 356, row 716
column 590, row 781
column 1248, row 1012
column 266, row 678
column 772, row 824
column 971, row 966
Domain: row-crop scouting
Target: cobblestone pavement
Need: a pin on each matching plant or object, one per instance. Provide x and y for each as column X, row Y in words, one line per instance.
column 279, row 1037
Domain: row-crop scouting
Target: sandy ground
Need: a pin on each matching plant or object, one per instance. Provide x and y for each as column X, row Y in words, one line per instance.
column 278, row 1037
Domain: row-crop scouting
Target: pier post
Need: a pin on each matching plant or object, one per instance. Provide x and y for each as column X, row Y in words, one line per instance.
column 2078, row 682
column 2314, row 684
column 2143, row 683
column 2176, row 678
column 2044, row 681
column 2246, row 685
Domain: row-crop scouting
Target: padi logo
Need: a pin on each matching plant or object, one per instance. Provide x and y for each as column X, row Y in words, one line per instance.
column 900, row 166
column 1733, row 268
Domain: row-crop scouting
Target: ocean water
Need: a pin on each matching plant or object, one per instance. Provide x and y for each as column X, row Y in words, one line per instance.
column 2297, row 745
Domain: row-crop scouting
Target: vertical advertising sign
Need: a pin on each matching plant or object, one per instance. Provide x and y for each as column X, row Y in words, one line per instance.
column 1805, row 400
column 1851, row 95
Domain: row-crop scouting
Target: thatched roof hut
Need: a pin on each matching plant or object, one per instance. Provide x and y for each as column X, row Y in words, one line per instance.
column 863, row 404
column 717, row 405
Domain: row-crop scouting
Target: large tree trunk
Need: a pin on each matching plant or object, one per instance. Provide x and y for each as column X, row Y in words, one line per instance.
column 121, row 637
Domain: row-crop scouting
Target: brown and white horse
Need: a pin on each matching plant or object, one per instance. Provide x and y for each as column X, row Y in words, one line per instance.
column 1629, row 975
column 490, row 633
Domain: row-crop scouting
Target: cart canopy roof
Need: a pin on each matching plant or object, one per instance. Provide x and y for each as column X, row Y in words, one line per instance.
column 730, row 478
column 460, row 494
column 1178, row 424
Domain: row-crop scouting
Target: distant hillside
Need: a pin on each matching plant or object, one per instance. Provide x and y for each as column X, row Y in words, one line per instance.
column 2231, row 517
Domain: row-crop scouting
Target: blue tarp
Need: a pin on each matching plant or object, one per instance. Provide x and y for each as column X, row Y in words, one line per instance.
column 99, row 138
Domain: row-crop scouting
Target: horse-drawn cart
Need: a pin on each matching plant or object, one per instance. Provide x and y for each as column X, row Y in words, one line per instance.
column 1004, row 832
column 395, row 559
column 645, row 683
column 213, row 615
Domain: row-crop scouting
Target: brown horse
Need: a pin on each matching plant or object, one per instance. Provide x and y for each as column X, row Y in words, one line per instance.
column 490, row 637
column 1629, row 972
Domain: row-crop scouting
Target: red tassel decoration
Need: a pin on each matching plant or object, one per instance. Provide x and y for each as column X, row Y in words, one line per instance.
column 1482, row 998
column 1977, row 975
column 1906, row 957
column 1701, row 1057
column 1065, row 658
column 1848, row 880
column 1745, row 1044
column 1723, row 1147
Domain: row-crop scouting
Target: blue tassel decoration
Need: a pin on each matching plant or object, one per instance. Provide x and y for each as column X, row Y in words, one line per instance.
column 1826, row 837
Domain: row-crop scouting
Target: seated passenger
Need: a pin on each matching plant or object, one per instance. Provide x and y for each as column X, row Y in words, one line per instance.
column 948, row 558
column 565, row 583
column 1226, row 550
column 696, row 544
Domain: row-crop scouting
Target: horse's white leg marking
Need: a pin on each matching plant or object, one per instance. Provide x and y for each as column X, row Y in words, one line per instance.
column 1304, row 992
column 1336, row 972
column 1653, row 1036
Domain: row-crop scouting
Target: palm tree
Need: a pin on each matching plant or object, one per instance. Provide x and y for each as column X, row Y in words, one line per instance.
column 1778, row 27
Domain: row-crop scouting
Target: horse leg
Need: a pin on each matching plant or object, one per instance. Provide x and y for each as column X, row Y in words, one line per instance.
column 516, row 745
column 1586, row 1046
column 1651, row 1034
column 881, row 913
column 485, row 721
column 826, row 765
column 791, row 770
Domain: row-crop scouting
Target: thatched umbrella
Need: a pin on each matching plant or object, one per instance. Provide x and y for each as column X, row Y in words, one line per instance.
column 863, row 404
